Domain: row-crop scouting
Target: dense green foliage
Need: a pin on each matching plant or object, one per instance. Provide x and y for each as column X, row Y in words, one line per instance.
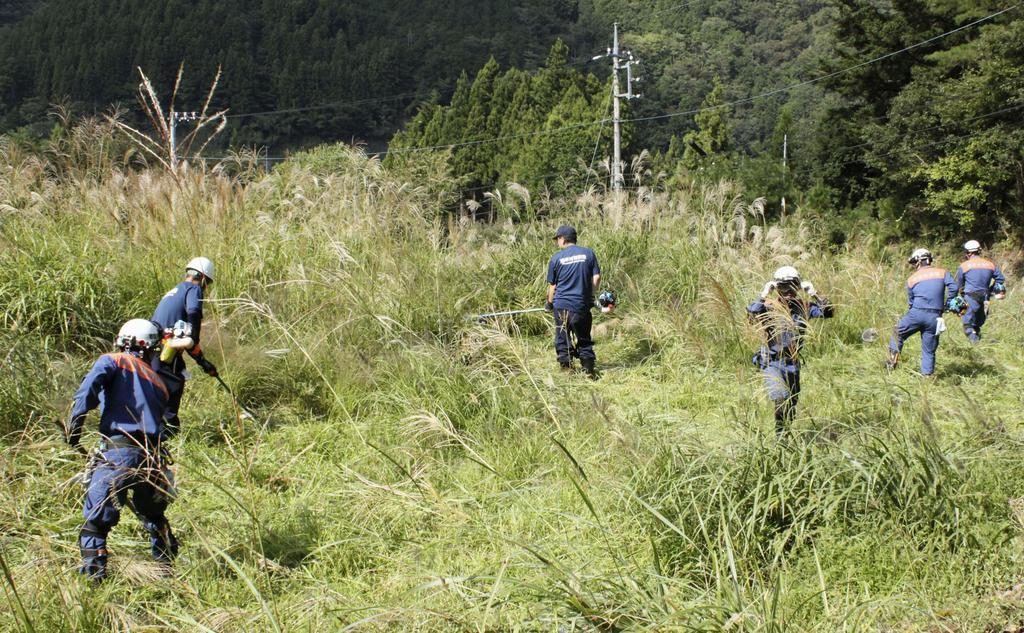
column 929, row 140
column 412, row 470
column 901, row 114
column 12, row 11
column 275, row 55
column 488, row 121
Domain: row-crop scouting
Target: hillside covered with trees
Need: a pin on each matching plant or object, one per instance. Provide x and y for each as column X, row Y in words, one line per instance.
column 900, row 114
column 345, row 70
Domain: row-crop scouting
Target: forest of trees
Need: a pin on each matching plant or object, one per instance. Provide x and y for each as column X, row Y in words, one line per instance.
column 903, row 111
column 349, row 70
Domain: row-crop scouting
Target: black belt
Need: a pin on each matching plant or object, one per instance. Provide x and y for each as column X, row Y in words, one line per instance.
column 122, row 441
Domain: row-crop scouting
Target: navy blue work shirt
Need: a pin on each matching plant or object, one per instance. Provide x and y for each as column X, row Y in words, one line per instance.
column 572, row 271
column 132, row 398
column 183, row 302
column 929, row 288
column 975, row 276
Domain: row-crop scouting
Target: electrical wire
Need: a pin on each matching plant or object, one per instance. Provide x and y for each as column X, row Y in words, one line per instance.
column 603, row 120
column 337, row 104
column 721, row 106
column 597, row 143
column 827, row 76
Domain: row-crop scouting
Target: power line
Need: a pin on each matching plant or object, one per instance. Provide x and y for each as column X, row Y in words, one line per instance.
column 725, row 105
column 671, row 8
column 395, row 97
column 829, row 75
column 816, row 171
column 936, row 127
column 337, row 104
column 604, row 120
column 801, row 134
column 482, row 141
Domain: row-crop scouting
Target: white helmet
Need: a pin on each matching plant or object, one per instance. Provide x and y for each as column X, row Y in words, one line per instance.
column 919, row 255
column 972, row 246
column 201, row 265
column 138, row 335
column 787, row 274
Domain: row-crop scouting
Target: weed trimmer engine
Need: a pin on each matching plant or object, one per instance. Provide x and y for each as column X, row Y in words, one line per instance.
column 606, row 300
column 957, row 305
column 176, row 338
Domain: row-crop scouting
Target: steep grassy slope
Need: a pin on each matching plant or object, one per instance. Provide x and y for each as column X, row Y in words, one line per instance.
column 412, row 470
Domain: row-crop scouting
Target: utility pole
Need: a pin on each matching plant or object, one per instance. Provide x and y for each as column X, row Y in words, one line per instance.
column 175, row 117
column 621, row 60
column 785, row 147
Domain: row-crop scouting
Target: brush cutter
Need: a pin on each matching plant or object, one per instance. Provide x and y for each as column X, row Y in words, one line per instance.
column 606, row 301
column 490, row 315
column 957, row 305
column 246, row 414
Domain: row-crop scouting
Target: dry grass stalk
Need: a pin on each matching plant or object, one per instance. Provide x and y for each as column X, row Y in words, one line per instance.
column 164, row 148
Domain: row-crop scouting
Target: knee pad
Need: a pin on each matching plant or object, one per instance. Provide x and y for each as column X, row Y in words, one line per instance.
column 91, row 528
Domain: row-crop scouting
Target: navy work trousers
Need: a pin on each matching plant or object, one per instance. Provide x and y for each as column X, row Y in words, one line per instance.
column 573, row 327
column 923, row 321
column 975, row 316
column 123, row 472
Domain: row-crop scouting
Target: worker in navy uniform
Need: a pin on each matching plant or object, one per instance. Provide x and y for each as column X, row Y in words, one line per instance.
column 184, row 303
column 979, row 280
column 131, row 469
column 784, row 316
column 930, row 291
column 573, row 277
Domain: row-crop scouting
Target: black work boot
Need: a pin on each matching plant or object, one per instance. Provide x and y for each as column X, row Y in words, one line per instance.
column 94, row 565
column 565, row 367
column 588, row 368
column 784, row 414
column 92, row 544
column 163, row 544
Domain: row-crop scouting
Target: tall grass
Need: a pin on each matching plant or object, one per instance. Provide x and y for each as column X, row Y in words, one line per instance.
column 409, row 469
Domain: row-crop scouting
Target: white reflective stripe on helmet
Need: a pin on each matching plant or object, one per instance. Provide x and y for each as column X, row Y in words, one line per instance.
column 787, row 273
column 919, row 254
column 138, row 334
column 201, row 265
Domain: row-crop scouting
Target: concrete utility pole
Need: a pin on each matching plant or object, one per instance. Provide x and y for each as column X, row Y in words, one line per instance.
column 175, row 117
column 785, row 148
column 621, row 60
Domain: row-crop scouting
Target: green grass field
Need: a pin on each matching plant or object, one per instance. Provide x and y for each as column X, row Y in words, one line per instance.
column 409, row 469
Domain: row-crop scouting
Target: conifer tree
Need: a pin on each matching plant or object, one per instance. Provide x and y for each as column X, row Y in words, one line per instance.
column 711, row 138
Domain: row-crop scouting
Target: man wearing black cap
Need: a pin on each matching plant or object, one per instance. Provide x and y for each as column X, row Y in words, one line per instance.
column 573, row 278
